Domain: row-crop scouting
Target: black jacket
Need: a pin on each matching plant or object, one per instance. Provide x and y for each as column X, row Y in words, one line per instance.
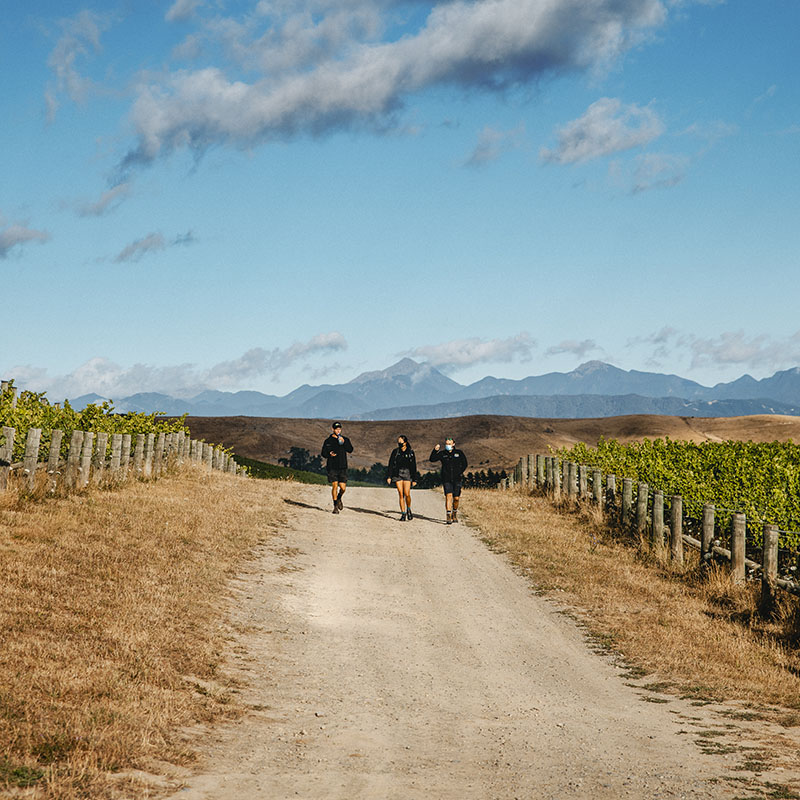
column 454, row 462
column 400, row 459
column 338, row 461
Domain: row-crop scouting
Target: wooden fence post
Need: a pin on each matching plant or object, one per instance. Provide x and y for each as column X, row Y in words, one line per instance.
column 707, row 540
column 158, row 458
column 627, row 502
column 611, row 488
column 86, row 458
column 676, row 529
column 523, row 471
column 642, row 496
column 583, row 481
column 100, row 457
column 149, row 446
column 738, row 534
column 31, row 458
column 769, row 572
column 74, row 459
column 597, row 487
column 657, row 531
column 138, row 455
column 531, row 471
column 54, row 457
column 540, row 471
column 6, row 456
column 125, row 456
column 116, row 455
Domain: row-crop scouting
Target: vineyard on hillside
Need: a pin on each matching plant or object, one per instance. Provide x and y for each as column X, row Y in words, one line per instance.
column 33, row 410
column 761, row 480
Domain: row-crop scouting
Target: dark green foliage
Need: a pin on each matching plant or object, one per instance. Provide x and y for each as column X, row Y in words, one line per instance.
column 34, row 410
column 760, row 479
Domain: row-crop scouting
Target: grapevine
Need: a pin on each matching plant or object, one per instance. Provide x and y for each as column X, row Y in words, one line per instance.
column 34, row 410
column 760, row 479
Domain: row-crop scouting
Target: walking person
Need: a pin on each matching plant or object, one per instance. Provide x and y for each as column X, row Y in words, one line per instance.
column 454, row 462
column 335, row 449
column 403, row 471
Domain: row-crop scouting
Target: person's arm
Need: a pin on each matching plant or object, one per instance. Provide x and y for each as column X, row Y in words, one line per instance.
column 348, row 447
column 463, row 462
column 392, row 461
column 326, row 449
column 436, row 455
column 414, row 473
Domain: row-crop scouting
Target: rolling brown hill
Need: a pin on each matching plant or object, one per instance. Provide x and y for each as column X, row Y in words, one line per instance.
column 488, row 441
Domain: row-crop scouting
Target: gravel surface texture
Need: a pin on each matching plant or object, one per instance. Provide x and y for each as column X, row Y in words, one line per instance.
column 388, row 659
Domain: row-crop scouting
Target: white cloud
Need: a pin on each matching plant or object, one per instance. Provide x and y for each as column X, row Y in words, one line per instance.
column 152, row 243
column 182, row 10
column 107, row 202
column 330, row 74
column 260, row 361
column 729, row 348
column 460, row 353
column 108, row 379
column 492, row 143
column 80, row 35
column 15, row 235
column 658, row 171
column 573, row 347
column 736, row 347
column 605, row 128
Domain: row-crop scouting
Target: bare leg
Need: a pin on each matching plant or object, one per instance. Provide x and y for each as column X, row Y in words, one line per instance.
column 335, row 491
column 448, row 502
column 400, row 495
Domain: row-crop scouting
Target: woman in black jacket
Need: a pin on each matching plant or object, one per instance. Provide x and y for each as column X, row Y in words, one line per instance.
column 403, row 471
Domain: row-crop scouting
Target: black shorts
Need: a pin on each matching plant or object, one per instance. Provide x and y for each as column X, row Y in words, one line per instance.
column 337, row 476
column 453, row 488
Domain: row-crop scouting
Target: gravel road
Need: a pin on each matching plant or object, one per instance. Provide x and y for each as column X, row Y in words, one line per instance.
column 405, row 660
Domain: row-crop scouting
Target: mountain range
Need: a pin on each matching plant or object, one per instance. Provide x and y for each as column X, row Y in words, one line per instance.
column 409, row 390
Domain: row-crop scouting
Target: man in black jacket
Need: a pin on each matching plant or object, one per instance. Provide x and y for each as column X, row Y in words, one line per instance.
column 454, row 462
column 335, row 449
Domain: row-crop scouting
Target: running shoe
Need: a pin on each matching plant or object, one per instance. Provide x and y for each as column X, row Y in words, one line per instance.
column 410, row 515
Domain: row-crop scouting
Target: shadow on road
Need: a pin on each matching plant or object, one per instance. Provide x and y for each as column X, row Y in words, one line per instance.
column 372, row 511
column 386, row 514
column 303, row 505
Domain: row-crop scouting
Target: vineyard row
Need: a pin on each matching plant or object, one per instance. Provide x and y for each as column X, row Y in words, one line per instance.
column 644, row 515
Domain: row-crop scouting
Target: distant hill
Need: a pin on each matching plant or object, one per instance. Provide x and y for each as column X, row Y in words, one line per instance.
column 584, row 405
column 489, row 441
column 412, row 390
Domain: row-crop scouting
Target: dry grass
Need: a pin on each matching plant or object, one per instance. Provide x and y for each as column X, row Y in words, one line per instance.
column 701, row 638
column 111, row 621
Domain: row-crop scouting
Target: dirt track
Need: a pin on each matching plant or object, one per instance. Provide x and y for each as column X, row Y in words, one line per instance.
column 389, row 660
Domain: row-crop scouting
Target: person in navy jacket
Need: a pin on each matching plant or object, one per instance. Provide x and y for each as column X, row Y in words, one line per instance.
column 335, row 449
column 454, row 462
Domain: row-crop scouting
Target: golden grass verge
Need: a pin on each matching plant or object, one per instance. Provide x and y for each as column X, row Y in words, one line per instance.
column 702, row 638
column 111, row 620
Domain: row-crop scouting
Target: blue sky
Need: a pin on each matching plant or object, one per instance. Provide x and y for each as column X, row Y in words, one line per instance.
column 254, row 195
